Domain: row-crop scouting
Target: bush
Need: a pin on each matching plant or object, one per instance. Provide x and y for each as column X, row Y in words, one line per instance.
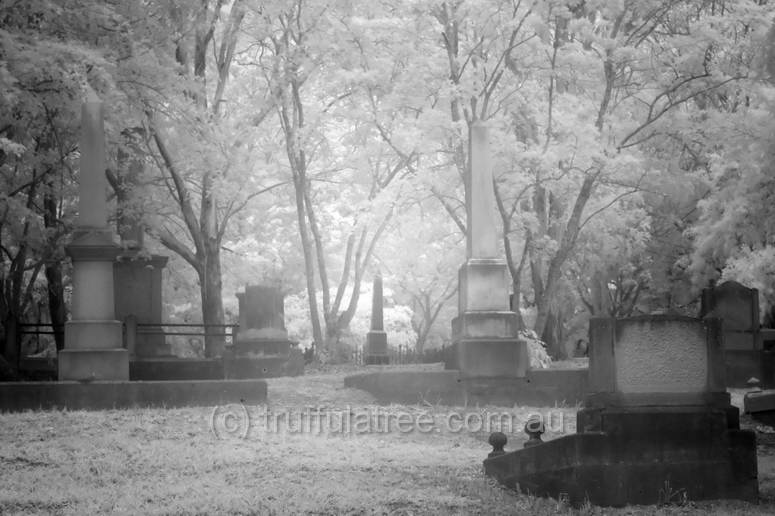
column 536, row 350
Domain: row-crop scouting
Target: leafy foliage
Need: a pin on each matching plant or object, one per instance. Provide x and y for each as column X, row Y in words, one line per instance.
column 307, row 143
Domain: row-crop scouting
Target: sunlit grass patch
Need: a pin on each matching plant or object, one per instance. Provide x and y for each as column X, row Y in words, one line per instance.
column 170, row 461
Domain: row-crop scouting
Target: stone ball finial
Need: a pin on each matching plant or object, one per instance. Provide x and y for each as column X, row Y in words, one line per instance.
column 534, row 427
column 498, row 441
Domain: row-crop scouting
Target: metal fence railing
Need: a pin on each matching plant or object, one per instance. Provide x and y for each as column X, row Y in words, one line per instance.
column 29, row 335
column 402, row 355
column 33, row 338
column 36, row 337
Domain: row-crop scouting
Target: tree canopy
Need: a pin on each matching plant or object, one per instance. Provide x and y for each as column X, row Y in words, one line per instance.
column 310, row 143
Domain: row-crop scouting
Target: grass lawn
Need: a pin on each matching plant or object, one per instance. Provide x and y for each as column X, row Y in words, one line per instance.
column 208, row 461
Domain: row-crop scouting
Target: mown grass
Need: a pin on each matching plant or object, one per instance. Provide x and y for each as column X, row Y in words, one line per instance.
column 157, row 461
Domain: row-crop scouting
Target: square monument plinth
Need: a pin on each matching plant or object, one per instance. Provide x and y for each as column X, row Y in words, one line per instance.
column 376, row 343
column 484, row 285
column 475, row 325
column 93, row 364
column 88, row 334
column 492, row 358
column 376, row 350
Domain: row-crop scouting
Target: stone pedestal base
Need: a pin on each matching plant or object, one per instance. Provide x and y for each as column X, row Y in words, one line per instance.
column 484, row 284
column 646, row 455
column 492, row 358
column 483, row 324
column 92, row 335
column 236, row 367
column 376, row 350
column 93, row 364
column 484, row 334
column 260, row 346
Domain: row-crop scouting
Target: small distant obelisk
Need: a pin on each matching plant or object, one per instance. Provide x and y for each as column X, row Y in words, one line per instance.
column 376, row 351
column 93, row 337
column 484, row 333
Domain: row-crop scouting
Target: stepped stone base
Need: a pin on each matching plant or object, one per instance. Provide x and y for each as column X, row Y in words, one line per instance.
column 491, row 357
column 93, row 364
column 242, row 367
column 261, row 346
column 540, row 388
column 639, row 456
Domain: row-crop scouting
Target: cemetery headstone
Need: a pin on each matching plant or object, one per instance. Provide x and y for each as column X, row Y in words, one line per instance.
column 738, row 307
column 657, row 425
column 138, row 280
column 261, row 347
column 485, row 343
column 376, row 350
column 137, row 274
column 93, row 337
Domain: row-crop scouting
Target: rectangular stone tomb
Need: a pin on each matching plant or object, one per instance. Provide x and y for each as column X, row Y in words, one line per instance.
column 657, row 425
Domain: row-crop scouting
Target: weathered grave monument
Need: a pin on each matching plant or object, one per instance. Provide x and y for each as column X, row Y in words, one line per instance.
column 93, row 369
column 376, row 349
column 745, row 353
column 657, row 425
column 484, row 333
column 137, row 274
column 261, row 348
column 93, row 338
column 487, row 363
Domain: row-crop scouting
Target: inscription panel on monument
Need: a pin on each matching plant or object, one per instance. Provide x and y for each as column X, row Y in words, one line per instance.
column 661, row 358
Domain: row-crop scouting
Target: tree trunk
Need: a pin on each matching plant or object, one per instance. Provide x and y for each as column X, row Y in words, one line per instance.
column 553, row 335
column 12, row 340
column 309, row 263
column 56, row 302
column 212, row 305
column 53, row 271
column 546, row 293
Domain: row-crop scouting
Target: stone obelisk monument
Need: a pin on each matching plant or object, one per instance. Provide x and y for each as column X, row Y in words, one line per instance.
column 376, row 351
column 484, row 333
column 93, row 338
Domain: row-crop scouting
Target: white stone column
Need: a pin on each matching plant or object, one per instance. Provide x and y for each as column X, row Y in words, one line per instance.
column 481, row 238
column 485, row 331
column 92, row 200
column 93, row 337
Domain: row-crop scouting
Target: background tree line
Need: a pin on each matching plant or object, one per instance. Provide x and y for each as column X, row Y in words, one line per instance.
column 308, row 143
